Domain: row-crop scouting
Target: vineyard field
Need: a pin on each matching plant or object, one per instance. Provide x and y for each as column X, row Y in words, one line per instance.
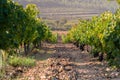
column 59, row 40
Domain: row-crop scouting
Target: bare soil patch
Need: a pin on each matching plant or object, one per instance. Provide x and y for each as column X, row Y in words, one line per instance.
column 66, row 62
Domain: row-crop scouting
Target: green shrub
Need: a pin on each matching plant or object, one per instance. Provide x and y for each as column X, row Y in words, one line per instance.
column 102, row 33
column 21, row 61
column 65, row 39
column 54, row 38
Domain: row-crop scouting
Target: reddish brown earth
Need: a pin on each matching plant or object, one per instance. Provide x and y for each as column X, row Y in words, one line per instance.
column 66, row 62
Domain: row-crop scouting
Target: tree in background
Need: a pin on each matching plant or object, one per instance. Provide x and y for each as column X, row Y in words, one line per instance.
column 30, row 26
column 118, row 1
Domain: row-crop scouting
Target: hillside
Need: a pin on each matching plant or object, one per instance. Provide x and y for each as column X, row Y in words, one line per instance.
column 71, row 8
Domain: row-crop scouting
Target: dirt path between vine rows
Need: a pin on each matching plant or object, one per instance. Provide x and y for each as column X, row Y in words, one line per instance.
column 66, row 62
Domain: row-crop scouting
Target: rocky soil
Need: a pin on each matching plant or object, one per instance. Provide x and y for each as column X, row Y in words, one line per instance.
column 66, row 62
